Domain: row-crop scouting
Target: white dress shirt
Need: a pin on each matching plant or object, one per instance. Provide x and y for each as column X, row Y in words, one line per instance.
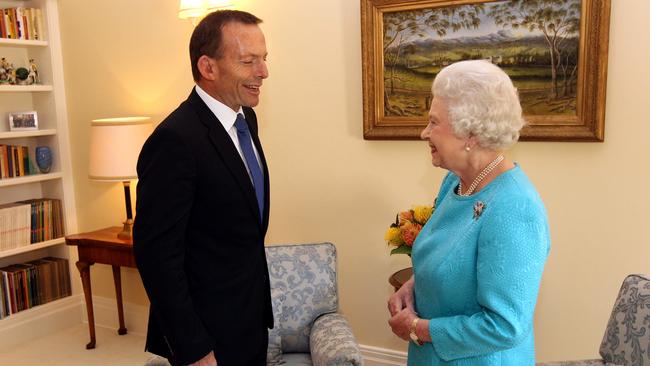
column 227, row 117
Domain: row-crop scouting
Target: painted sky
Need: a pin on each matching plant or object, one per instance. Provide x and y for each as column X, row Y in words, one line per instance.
column 486, row 27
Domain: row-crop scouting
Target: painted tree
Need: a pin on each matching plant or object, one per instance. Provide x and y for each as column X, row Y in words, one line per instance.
column 402, row 27
column 557, row 20
column 569, row 66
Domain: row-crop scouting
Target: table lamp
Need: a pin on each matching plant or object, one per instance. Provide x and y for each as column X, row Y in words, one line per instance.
column 115, row 144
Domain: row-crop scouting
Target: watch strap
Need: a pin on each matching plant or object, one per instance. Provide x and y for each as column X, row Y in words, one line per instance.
column 413, row 334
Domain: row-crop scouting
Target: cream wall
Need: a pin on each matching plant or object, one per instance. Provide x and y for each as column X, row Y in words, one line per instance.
column 127, row 57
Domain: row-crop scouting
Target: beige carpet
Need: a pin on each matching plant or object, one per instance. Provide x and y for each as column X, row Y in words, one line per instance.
column 68, row 348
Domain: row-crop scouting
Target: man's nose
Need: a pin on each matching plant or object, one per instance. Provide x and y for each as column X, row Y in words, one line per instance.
column 263, row 71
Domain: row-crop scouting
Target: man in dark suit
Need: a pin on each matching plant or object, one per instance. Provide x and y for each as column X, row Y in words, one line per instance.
column 203, row 207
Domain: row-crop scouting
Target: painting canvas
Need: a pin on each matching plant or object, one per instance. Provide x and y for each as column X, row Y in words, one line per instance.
column 542, row 45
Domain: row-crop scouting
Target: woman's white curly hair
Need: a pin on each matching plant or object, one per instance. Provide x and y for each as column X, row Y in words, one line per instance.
column 482, row 102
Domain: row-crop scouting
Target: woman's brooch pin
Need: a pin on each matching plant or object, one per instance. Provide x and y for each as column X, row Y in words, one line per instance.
column 478, row 209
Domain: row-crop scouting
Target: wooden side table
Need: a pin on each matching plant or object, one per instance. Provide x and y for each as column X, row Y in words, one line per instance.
column 102, row 246
column 398, row 278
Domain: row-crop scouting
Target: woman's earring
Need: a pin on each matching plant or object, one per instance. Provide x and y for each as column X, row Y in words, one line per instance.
column 466, row 148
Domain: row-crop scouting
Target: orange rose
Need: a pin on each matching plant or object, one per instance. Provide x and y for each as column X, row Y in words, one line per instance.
column 404, row 217
column 409, row 231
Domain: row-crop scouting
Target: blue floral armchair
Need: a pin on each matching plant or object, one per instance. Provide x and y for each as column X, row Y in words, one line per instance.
column 627, row 337
column 308, row 330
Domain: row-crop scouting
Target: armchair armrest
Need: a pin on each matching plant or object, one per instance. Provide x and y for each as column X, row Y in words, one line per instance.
column 332, row 343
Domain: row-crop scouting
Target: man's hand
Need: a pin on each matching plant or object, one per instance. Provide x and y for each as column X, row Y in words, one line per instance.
column 208, row 360
column 402, row 299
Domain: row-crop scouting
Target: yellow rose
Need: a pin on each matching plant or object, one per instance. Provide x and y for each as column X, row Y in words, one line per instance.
column 393, row 236
column 422, row 213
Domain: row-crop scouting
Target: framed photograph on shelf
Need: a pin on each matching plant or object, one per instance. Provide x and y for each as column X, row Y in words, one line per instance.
column 555, row 51
column 23, row 121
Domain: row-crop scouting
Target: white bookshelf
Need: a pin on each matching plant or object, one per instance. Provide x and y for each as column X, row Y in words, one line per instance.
column 30, row 179
column 19, row 134
column 22, row 42
column 48, row 100
column 32, row 247
column 25, row 88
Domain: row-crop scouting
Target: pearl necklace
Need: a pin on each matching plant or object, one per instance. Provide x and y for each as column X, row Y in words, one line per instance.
column 489, row 168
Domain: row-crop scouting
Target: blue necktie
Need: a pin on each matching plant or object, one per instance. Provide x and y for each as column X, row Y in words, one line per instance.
column 246, row 145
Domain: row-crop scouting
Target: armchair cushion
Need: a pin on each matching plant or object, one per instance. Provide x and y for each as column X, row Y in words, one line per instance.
column 296, row 359
column 627, row 338
column 332, row 342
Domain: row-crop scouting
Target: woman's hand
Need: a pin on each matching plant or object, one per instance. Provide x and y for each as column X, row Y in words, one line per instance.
column 400, row 323
column 208, row 360
column 402, row 299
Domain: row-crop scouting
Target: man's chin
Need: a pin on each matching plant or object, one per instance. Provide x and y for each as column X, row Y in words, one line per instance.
column 251, row 103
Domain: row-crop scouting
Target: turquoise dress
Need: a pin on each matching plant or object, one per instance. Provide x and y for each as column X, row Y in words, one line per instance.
column 477, row 264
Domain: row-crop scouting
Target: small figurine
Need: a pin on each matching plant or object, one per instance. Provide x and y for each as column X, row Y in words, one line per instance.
column 33, row 73
column 6, row 72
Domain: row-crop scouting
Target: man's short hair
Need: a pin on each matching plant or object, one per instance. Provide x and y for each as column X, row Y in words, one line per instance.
column 207, row 36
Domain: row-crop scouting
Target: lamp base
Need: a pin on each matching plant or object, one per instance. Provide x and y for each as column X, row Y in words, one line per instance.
column 127, row 230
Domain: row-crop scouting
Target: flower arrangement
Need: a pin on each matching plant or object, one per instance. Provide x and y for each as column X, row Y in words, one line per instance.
column 402, row 233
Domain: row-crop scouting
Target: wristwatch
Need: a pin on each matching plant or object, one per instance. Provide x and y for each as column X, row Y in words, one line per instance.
column 413, row 335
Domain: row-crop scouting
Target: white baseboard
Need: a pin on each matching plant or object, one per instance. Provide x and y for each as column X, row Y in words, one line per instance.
column 43, row 319
column 375, row 356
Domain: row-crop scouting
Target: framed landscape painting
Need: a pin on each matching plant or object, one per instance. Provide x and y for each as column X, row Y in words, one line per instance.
column 555, row 52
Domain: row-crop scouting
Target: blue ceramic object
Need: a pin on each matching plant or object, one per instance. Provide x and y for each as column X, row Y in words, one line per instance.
column 44, row 158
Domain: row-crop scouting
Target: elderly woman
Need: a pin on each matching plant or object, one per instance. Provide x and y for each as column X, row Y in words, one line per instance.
column 479, row 259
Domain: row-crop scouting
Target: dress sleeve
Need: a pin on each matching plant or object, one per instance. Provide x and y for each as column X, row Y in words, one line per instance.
column 512, row 248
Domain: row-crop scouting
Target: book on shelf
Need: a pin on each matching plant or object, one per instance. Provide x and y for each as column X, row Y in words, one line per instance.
column 15, row 225
column 15, row 162
column 3, row 27
column 28, row 222
column 21, row 23
column 33, row 283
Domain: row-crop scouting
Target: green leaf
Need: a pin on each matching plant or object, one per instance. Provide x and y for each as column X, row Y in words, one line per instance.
column 402, row 249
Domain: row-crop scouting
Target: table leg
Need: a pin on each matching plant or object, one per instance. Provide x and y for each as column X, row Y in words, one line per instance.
column 117, row 278
column 84, row 271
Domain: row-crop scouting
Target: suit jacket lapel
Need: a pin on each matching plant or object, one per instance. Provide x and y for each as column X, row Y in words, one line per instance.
column 225, row 147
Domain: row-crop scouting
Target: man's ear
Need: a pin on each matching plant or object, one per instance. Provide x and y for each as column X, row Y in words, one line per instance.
column 208, row 68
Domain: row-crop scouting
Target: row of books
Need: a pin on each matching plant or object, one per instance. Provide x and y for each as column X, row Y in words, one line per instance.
column 22, row 23
column 28, row 222
column 25, row 285
column 15, row 162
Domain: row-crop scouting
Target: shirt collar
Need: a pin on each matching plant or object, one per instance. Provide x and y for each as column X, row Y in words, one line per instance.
column 224, row 114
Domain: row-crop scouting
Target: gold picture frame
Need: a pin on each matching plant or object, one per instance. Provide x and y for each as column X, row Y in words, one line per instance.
column 405, row 42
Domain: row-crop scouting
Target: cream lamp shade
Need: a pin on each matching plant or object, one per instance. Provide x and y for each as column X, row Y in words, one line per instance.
column 195, row 9
column 191, row 9
column 214, row 5
column 115, row 144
